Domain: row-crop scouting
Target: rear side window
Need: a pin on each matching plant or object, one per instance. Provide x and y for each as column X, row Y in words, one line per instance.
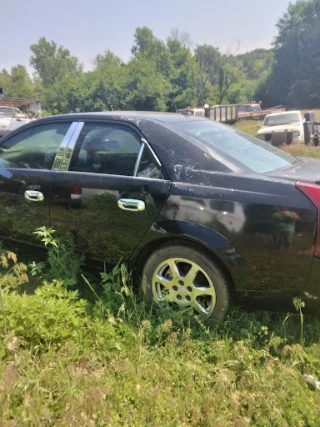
column 112, row 149
column 34, row 148
column 245, row 149
column 106, row 148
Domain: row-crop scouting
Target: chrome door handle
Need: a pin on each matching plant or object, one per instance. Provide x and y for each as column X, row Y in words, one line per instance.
column 131, row 204
column 33, row 196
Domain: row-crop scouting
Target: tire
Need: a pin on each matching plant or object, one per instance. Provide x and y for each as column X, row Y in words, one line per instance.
column 188, row 277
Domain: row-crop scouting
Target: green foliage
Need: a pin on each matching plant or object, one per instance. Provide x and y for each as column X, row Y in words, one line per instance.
column 50, row 317
column 14, row 275
column 52, row 62
column 147, row 87
column 64, row 361
column 17, row 83
column 160, row 76
column 167, row 75
column 294, row 79
column 63, row 262
column 5, row 78
column 299, row 305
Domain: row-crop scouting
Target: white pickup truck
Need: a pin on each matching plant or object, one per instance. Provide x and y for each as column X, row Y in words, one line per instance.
column 289, row 121
column 10, row 119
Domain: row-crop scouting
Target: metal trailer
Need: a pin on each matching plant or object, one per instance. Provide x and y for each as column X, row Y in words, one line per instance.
column 222, row 113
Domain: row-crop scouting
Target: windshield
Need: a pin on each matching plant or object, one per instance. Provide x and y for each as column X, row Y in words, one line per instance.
column 249, row 151
column 9, row 111
column 244, row 108
column 281, row 119
column 248, row 108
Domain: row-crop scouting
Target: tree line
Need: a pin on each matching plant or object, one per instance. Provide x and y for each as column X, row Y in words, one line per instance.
column 167, row 75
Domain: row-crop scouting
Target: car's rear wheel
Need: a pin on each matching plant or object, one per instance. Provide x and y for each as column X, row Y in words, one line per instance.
column 187, row 277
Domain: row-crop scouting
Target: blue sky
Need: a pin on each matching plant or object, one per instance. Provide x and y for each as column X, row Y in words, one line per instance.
column 89, row 27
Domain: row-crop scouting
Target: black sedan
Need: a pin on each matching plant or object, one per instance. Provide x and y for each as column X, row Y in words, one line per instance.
column 201, row 211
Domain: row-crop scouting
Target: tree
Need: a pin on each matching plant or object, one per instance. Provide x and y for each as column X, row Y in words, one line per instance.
column 20, row 83
column 109, row 82
column 257, row 63
column 52, row 62
column 183, row 92
column 143, row 40
column 294, row 80
column 213, row 74
column 182, row 38
column 5, row 79
column 148, row 89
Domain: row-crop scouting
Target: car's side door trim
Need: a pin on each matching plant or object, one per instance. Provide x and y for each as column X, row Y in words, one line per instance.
column 63, row 156
column 136, row 167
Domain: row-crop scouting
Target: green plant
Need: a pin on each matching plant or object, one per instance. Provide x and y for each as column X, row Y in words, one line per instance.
column 299, row 305
column 118, row 297
column 64, row 361
column 63, row 262
column 49, row 317
column 14, row 275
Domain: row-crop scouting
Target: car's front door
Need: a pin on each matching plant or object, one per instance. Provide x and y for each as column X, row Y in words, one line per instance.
column 26, row 159
column 110, row 193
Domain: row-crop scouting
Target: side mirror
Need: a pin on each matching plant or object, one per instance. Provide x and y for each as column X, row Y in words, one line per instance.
column 258, row 126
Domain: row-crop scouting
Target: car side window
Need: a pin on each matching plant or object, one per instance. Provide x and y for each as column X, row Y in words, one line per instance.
column 107, row 148
column 34, row 148
column 148, row 168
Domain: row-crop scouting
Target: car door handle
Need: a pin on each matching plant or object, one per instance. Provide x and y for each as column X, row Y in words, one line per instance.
column 131, row 204
column 33, row 196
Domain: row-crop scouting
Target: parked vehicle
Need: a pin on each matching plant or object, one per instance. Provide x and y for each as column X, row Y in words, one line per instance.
column 10, row 115
column 288, row 122
column 219, row 113
column 253, row 111
column 10, row 119
column 201, row 211
column 192, row 111
column 6, row 114
column 9, row 111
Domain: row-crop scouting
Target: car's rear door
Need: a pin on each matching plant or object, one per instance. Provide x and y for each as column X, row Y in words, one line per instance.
column 110, row 192
column 26, row 159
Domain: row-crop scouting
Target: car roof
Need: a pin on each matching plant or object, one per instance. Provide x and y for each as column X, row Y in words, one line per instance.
column 283, row 113
column 133, row 116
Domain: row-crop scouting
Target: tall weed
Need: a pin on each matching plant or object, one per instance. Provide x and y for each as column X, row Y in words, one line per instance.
column 113, row 362
column 63, row 262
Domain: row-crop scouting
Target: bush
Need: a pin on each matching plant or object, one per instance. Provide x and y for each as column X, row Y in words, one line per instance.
column 65, row 361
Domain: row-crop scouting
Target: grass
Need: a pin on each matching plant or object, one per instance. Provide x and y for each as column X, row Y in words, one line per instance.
column 65, row 361
column 248, row 126
column 108, row 360
column 115, row 374
column 301, row 150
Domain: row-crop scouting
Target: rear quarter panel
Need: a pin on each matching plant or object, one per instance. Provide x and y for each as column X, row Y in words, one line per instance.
column 234, row 217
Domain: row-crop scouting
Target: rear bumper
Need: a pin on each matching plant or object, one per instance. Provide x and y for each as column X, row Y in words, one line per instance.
column 283, row 300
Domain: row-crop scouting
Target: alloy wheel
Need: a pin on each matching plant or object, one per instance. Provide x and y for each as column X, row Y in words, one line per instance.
column 181, row 281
